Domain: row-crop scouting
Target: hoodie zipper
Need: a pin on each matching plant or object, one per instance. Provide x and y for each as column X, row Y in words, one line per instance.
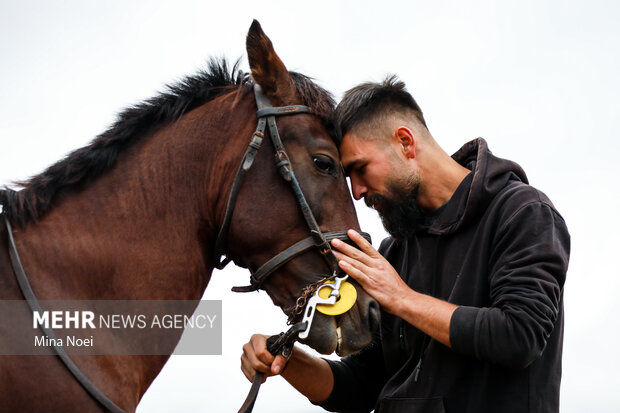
column 418, row 367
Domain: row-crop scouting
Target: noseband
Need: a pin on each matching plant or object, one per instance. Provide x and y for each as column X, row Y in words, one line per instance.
column 266, row 115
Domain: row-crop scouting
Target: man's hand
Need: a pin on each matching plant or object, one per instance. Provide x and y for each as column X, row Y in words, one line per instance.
column 377, row 276
column 311, row 375
column 256, row 357
column 373, row 272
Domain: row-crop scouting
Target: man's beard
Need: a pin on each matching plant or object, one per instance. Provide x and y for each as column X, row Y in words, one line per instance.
column 399, row 211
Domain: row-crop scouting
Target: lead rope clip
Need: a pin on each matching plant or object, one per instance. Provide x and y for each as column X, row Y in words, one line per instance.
column 316, row 299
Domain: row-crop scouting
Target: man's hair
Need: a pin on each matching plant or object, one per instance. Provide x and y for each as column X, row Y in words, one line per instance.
column 369, row 102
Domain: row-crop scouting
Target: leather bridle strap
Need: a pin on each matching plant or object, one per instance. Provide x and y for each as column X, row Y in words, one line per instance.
column 286, row 170
column 258, row 277
column 246, row 163
column 266, row 115
column 33, row 303
column 244, row 167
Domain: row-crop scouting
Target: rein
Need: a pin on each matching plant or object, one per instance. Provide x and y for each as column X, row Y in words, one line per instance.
column 33, row 303
column 277, row 344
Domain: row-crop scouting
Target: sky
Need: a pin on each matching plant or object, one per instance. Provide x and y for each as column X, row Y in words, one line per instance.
column 537, row 79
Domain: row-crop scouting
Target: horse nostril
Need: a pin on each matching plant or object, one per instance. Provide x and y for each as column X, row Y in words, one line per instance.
column 374, row 316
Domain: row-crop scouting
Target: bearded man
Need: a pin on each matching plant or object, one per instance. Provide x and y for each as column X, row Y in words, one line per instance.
column 470, row 282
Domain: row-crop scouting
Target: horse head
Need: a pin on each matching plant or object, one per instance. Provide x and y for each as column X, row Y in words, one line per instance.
column 268, row 218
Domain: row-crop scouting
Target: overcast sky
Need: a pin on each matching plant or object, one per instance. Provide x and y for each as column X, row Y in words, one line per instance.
column 539, row 80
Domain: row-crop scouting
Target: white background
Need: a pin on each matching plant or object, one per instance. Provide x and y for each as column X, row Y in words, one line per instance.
column 538, row 79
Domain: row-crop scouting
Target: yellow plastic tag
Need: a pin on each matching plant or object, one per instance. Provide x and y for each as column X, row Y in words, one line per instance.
column 344, row 302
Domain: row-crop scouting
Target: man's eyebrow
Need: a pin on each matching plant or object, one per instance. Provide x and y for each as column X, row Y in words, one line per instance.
column 350, row 166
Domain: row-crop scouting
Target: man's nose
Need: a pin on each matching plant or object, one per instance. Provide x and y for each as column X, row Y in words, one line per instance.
column 358, row 189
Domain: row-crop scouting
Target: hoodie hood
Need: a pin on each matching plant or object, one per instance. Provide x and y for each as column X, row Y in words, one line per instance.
column 489, row 175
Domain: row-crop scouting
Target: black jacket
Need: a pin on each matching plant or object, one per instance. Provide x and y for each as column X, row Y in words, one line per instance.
column 499, row 250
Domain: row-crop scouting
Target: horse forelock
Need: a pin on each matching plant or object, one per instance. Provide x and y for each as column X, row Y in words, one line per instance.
column 319, row 100
column 36, row 194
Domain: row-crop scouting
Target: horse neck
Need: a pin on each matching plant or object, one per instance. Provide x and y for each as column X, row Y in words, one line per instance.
column 144, row 229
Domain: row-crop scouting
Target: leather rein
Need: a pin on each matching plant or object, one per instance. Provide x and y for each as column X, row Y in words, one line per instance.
column 35, row 306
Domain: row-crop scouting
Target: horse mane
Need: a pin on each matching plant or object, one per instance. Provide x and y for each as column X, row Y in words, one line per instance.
column 36, row 196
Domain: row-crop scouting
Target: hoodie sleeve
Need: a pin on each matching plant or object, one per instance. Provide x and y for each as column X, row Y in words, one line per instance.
column 527, row 270
column 358, row 379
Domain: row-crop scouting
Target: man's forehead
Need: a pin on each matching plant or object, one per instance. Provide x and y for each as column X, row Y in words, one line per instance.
column 355, row 150
column 349, row 147
column 356, row 145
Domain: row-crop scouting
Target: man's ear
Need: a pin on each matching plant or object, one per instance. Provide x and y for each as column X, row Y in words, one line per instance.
column 267, row 68
column 407, row 141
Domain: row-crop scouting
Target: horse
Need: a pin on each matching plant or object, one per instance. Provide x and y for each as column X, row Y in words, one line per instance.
column 137, row 214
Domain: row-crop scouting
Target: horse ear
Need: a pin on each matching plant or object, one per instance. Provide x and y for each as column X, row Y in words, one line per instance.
column 267, row 68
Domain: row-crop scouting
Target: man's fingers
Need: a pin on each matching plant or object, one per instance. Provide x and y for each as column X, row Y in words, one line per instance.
column 249, row 372
column 253, row 360
column 340, row 255
column 259, row 343
column 256, row 358
column 362, row 243
column 353, row 262
column 350, row 251
column 360, row 276
column 364, row 253
column 246, row 371
column 278, row 364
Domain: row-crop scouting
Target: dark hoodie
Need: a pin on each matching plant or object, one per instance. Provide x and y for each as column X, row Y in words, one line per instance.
column 499, row 250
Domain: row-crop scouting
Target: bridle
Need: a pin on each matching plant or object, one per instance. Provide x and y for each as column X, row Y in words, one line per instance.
column 266, row 115
column 307, row 303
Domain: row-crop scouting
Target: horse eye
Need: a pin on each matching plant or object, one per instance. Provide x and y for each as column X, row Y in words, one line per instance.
column 324, row 164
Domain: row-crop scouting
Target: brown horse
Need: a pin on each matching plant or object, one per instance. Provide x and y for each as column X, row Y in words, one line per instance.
column 135, row 215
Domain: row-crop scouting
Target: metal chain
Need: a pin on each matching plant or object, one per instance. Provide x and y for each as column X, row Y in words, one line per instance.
column 300, row 305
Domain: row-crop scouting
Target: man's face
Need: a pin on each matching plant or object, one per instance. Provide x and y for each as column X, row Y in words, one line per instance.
column 367, row 163
column 379, row 173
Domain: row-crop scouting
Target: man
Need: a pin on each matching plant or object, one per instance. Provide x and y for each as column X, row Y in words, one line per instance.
column 470, row 281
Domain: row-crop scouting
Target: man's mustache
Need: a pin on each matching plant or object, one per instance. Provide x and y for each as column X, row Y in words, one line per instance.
column 374, row 199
